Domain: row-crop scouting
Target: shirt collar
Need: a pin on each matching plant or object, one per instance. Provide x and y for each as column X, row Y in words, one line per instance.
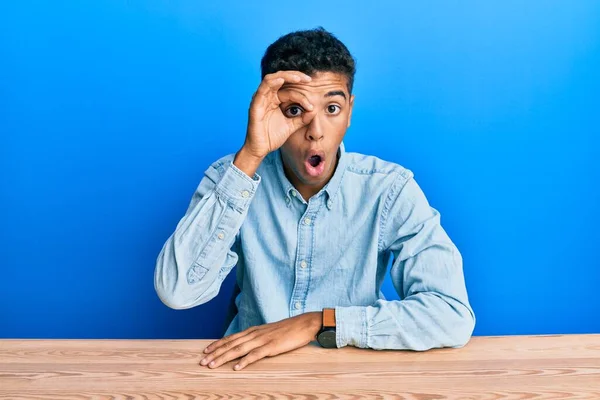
column 331, row 188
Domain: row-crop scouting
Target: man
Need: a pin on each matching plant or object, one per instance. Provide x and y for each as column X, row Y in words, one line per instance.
column 312, row 227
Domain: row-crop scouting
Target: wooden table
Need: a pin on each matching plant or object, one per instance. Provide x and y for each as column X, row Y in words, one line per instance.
column 506, row 367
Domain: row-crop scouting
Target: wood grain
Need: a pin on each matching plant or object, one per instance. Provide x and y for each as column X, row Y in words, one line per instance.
column 504, row 367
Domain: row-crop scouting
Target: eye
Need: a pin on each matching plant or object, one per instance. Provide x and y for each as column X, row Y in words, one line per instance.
column 332, row 109
column 293, row 111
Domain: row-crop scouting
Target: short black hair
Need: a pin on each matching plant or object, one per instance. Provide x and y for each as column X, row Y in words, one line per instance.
column 309, row 51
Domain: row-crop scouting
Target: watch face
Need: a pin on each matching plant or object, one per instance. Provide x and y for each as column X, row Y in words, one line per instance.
column 327, row 339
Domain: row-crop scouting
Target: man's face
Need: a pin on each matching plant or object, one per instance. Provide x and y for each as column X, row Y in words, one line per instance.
column 310, row 152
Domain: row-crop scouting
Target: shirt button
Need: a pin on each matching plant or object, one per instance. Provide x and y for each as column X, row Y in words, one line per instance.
column 306, row 221
column 303, row 264
column 297, row 305
column 245, row 193
column 294, row 193
column 221, row 235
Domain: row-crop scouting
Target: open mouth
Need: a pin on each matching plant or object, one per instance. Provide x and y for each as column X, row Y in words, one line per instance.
column 315, row 160
column 315, row 163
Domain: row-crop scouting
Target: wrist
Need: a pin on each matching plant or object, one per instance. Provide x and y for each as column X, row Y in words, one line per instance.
column 247, row 162
column 316, row 322
column 326, row 336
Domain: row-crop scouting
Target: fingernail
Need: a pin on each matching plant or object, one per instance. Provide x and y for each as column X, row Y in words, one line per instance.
column 203, row 362
column 206, row 350
column 307, row 78
column 237, row 367
column 212, row 364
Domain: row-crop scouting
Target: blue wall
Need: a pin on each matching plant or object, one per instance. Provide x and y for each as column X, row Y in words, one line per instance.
column 110, row 111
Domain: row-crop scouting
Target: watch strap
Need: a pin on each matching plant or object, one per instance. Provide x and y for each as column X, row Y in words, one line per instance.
column 329, row 318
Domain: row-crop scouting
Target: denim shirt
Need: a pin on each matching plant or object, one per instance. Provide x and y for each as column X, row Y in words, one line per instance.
column 295, row 256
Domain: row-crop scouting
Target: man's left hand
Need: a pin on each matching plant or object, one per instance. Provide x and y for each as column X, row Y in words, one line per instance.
column 263, row 341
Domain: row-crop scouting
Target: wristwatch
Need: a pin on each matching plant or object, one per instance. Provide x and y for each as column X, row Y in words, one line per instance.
column 326, row 336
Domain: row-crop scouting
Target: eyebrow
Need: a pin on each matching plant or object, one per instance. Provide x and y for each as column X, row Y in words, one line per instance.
column 336, row 93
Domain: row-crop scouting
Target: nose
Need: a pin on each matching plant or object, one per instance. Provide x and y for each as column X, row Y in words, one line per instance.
column 314, row 131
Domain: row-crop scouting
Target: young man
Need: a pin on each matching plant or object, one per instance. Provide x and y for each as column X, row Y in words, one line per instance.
column 312, row 227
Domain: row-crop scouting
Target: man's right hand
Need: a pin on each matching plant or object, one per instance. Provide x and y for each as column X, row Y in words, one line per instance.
column 268, row 127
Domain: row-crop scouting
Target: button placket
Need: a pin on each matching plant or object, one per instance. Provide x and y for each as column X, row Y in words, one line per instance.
column 303, row 254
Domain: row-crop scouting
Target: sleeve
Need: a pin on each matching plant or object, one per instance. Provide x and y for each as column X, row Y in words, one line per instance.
column 198, row 255
column 427, row 273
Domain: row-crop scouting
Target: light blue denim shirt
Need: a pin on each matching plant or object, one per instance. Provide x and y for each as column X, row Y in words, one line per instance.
column 333, row 251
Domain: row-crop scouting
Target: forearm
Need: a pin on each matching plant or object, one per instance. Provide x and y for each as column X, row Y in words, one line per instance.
column 434, row 311
column 197, row 256
column 421, row 322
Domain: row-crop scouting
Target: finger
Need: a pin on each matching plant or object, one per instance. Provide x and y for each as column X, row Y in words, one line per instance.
column 226, row 339
column 301, row 121
column 236, row 351
column 289, row 75
column 215, row 345
column 257, row 354
column 294, row 96
column 226, row 347
column 273, row 82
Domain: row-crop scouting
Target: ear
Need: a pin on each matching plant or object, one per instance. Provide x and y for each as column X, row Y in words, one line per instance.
column 351, row 107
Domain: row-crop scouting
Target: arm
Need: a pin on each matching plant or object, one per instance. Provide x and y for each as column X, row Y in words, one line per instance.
column 427, row 274
column 197, row 257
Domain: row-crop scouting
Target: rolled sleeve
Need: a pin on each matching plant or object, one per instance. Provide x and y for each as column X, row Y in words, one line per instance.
column 351, row 326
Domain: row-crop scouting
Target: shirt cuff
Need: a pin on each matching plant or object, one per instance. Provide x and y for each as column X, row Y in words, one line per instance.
column 236, row 187
column 351, row 326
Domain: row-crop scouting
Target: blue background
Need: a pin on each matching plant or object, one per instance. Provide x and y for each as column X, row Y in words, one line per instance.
column 110, row 112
